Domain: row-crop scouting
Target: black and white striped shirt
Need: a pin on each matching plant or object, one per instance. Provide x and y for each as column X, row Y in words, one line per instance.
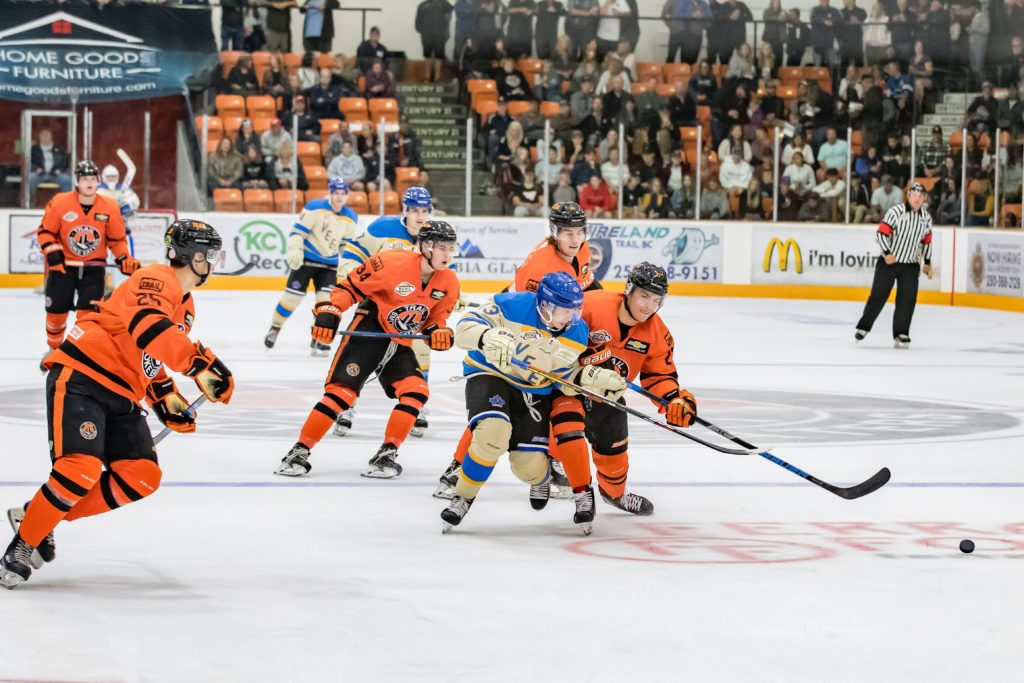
column 906, row 234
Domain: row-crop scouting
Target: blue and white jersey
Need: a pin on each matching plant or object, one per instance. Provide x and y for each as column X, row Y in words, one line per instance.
column 517, row 312
column 387, row 232
column 324, row 231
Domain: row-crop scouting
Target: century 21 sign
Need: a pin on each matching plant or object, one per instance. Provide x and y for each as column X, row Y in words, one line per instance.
column 784, row 249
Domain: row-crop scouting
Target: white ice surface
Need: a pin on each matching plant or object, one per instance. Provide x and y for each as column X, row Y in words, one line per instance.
column 744, row 573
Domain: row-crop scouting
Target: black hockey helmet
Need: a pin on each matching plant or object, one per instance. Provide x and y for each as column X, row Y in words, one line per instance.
column 565, row 215
column 185, row 238
column 437, row 231
column 86, row 168
column 648, row 277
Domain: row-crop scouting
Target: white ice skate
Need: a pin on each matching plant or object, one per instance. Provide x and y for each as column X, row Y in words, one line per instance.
column 47, row 549
column 421, row 424
column 452, row 515
column 343, row 424
column 383, row 465
column 446, row 484
column 296, row 463
column 584, row 515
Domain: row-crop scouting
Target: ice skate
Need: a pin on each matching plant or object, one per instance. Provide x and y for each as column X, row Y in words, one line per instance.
column 318, row 350
column 446, row 484
column 455, row 512
column 344, row 422
column 296, row 463
column 859, row 335
column 584, row 515
column 383, row 465
column 16, row 565
column 421, row 424
column 271, row 337
column 560, row 488
column 47, row 549
column 901, row 342
column 539, row 494
column 631, row 503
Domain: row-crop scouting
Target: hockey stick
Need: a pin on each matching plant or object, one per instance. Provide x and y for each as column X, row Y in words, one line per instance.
column 383, row 335
column 875, row 482
column 190, row 411
column 129, row 167
column 748, row 449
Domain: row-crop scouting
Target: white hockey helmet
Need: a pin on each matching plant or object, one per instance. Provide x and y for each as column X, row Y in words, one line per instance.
column 110, row 174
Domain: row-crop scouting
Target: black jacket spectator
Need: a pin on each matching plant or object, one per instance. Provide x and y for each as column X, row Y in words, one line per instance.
column 323, row 100
column 824, row 23
column 60, row 160
column 798, row 37
column 728, row 29
column 433, row 17
column 682, row 111
column 370, row 50
column 851, row 35
column 546, row 30
column 241, row 79
column 512, row 84
column 703, row 85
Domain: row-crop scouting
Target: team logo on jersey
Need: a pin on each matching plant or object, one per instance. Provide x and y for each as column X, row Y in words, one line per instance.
column 637, row 345
column 496, row 401
column 102, row 217
column 531, row 335
column 376, row 263
column 152, row 284
column 437, row 294
column 83, row 240
column 189, row 319
column 408, row 317
column 531, row 285
column 150, row 365
column 404, row 289
column 88, row 431
column 352, row 369
column 76, row 332
column 621, row 366
column 600, row 336
column 70, row 216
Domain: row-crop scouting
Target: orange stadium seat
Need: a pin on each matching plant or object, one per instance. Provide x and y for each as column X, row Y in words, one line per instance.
column 359, row 202
column 855, row 143
column 637, row 89
column 292, row 61
column 227, row 199
column 262, row 124
column 230, row 105
column 316, row 176
column 549, row 109
column 666, row 89
column 485, row 102
column 231, row 125
column 214, row 126
column 316, row 194
column 353, row 107
column 391, row 207
column 518, row 108
column 260, row 105
column 956, row 140
column 228, row 59
column 359, row 124
column 791, row 73
column 476, row 85
column 383, row 106
column 671, row 72
column 309, row 154
column 787, row 91
column 1012, row 210
column 261, row 58
column 645, row 70
column 211, row 144
column 406, row 177
column 329, row 127
column 283, row 201
column 258, row 201
column 325, row 60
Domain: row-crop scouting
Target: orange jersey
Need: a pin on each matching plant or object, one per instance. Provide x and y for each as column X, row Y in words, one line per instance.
column 645, row 350
column 391, row 280
column 124, row 344
column 545, row 259
column 84, row 237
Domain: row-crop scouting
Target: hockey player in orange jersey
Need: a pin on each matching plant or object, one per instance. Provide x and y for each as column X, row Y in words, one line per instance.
column 77, row 230
column 398, row 292
column 102, row 451
column 629, row 327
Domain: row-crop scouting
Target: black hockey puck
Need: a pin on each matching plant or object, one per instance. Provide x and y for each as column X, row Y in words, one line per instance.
column 967, row 546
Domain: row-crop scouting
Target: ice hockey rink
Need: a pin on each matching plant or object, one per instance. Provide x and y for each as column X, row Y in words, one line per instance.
column 744, row 573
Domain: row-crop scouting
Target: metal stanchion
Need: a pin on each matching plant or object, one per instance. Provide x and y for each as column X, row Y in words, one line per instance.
column 204, row 154
column 996, row 216
column 963, row 179
column 697, row 180
column 295, row 162
column 147, row 146
column 849, row 170
column 469, row 166
column 26, row 156
column 547, row 164
column 87, row 132
column 775, row 178
column 380, row 172
column 913, row 155
column 622, row 165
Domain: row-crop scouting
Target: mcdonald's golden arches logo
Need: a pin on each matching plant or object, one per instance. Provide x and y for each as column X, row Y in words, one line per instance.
column 784, row 249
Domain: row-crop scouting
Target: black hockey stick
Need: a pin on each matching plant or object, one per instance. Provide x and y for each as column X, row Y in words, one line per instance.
column 190, row 411
column 241, row 271
column 877, row 481
column 748, row 449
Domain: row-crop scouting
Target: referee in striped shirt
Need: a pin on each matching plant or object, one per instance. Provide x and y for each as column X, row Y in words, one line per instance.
column 905, row 236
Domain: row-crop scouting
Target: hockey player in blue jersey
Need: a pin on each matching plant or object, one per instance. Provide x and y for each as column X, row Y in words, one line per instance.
column 509, row 407
column 391, row 232
column 314, row 245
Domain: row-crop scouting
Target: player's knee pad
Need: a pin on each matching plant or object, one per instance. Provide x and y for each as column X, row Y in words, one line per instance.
column 491, row 436
column 612, row 471
column 135, row 479
column 422, row 351
column 530, row 467
column 72, row 476
column 290, row 300
column 412, row 391
column 566, row 419
column 337, row 399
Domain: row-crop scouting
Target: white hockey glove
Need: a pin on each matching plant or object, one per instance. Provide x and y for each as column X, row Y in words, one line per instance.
column 498, row 346
column 603, row 381
column 296, row 252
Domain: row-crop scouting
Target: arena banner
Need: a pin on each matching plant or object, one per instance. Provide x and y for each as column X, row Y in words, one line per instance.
column 837, row 256
column 995, row 263
column 85, row 54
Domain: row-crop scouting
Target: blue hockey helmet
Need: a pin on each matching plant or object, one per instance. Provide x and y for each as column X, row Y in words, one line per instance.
column 337, row 185
column 418, row 197
column 559, row 300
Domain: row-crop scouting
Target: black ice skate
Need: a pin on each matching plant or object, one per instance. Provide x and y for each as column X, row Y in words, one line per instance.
column 296, row 463
column 16, row 565
column 383, row 465
column 455, row 512
column 421, row 424
column 539, row 494
column 271, row 337
column 584, row 516
column 318, row 350
column 901, row 342
column 559, row 481
column 343, row 424
column 860, row 334
column 46, row 551
column 631, row 503
column 446, row 484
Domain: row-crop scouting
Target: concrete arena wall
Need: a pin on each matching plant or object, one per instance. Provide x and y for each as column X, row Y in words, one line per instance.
column 973, row 267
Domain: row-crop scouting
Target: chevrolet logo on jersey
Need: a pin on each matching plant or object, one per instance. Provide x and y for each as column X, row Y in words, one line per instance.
column 437, row 294
column 784, row 249
column 637, row 345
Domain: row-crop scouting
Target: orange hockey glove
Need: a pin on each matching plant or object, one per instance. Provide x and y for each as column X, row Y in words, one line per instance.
column 211, row 375
column 328, row 318
column 127, row 264
column 441, row 338
column 170, row 406
column 54, row 257
column 680, row 410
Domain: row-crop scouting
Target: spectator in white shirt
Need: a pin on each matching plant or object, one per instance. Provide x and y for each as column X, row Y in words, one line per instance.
column 885, row 197
column 801, row 177
column 831, row 191
column 349, row 166
column 612, row 171
column 735, row 174
column 609, row 28
column 797, row 145
column 547, row 172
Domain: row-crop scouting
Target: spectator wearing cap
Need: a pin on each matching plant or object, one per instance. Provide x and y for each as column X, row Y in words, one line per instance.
column 885, row 197
column 584, row 169
column 933, row 155
column 273, row 138
column 832, row 154
column 905, row 239
column 324, row 96
column 308, row 128
column 831, row 191
column 648, row 168
column 369, row 50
